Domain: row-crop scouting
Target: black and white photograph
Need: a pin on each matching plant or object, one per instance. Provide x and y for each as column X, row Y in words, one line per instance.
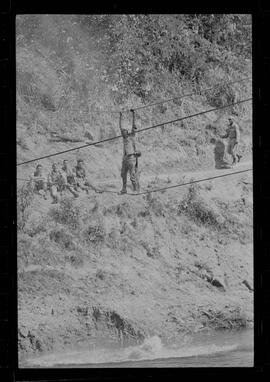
column 134, row 190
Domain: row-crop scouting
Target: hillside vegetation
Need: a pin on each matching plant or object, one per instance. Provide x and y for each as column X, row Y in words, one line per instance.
column 131, row 267
column 69, row 67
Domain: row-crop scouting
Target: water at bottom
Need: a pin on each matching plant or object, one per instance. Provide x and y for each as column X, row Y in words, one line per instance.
column 216, row 349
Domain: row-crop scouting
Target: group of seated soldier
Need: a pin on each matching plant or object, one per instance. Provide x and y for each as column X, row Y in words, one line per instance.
column 60, row 179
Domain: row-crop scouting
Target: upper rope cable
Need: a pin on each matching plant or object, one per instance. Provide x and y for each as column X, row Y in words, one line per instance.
column 110, row 111
column 139, row 131
column 186, row 95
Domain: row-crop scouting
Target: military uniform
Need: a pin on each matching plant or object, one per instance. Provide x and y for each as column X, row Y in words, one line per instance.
column 40, row 183
column 129, row 161
column 71, row 180
column 71, row 177
column 81, row 180
column 57, row 182
column 233, row 134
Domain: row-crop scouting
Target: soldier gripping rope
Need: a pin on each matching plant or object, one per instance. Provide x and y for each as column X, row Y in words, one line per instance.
column 233, row 135
column 130, row 157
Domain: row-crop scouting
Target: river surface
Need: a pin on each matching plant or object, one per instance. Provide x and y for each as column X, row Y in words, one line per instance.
column 216, row 349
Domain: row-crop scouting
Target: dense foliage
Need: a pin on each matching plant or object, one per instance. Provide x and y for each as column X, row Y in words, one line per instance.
column 139, row 54
column 142, row 49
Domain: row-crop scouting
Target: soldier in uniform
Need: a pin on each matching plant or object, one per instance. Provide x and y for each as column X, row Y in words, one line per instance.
column 71, row 178
column 129, row 161
column 57, row 182
column 81, row 180
column 40, row 183
column 233, row 135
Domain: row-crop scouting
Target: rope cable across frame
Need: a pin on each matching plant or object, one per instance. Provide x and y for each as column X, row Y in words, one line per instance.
column 139, row 131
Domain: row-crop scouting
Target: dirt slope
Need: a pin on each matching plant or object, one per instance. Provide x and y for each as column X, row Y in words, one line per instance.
column 125, row 268
column 168, row 264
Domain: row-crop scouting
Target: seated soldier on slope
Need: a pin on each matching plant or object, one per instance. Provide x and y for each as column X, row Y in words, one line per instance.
column 57, row 182
column 81, row 181
column 70, row 177
column 40, row 183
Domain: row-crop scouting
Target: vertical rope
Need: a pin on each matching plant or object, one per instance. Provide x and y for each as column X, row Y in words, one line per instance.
column 133, row 118
column 120, row 120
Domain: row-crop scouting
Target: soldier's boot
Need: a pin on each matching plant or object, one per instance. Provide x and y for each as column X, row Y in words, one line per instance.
column 124, row 188
column 238, row 157
column 234, row 160
column 134, row 186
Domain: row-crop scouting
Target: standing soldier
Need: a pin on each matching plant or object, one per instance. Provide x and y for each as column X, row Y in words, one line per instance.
column 40, row 183
column 56, row 182
column 130, row 156
column 81, row 180
column 70, row 177
column 233, row 134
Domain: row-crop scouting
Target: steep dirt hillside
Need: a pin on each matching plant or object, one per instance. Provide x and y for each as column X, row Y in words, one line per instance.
column 130, row 267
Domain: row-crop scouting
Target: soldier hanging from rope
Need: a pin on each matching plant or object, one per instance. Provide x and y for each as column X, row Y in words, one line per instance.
column 130, row 157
